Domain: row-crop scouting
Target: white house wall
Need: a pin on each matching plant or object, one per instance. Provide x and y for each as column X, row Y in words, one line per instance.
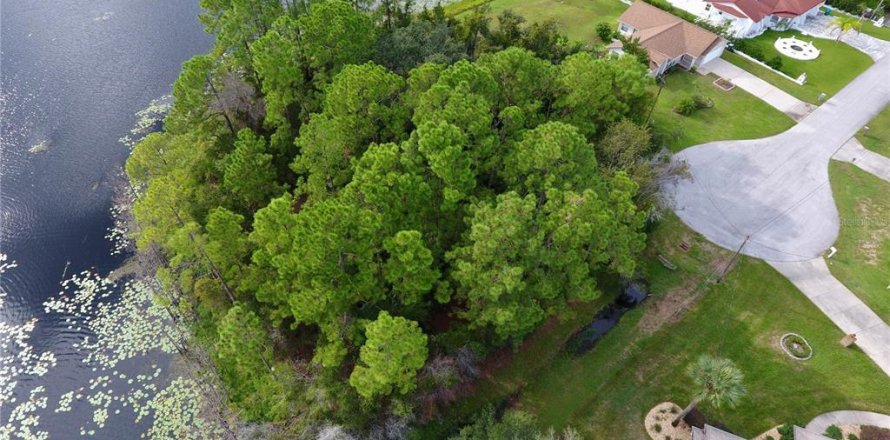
column 695, row 7
column 798, row 21
column 759, row 27
column 739, row 27
column 714, row 53
column 815, row 11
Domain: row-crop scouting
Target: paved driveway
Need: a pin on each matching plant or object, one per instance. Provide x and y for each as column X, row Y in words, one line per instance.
column 843, row 307
column 867, row 160
column 771, row 199
column 822, row 422
column 773, row 194
column 821, row 26
column 769, row 93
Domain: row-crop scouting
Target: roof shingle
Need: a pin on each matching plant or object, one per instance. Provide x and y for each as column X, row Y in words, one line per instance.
column 665, row 35
column 756, row 10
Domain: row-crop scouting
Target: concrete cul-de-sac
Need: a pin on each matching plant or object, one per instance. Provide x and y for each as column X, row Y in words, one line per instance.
column 771, row 199
column 774, row 192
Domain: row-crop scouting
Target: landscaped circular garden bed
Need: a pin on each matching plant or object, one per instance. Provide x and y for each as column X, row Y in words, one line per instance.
column 796, row 346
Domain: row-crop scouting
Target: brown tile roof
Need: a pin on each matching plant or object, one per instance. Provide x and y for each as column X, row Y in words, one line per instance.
column 753, row 9
column 665, row 35
column 758, row 9
column 729, row 10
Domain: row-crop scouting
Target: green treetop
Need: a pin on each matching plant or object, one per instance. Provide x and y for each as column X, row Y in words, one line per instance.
column 249, row 173
column 393, row 353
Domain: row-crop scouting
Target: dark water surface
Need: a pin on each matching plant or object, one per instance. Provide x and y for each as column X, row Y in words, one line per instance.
column 74, row 72
column 606, row 319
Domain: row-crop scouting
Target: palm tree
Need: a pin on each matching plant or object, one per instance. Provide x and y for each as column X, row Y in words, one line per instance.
column 718, row 382
column 845, row 23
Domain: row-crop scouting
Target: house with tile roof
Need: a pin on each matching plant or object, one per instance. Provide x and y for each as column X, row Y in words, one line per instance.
column 708, row 432
column 669, row 40
column 750, row 18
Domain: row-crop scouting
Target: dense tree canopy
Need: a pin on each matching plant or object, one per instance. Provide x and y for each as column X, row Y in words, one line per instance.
column 357, row 217
column 245, row 354
column 394, row 351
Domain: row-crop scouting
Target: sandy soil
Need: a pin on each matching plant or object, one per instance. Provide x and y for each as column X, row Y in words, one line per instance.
column 658, row 423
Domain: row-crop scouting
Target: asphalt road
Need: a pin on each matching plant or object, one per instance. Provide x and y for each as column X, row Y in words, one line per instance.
column 773, row 194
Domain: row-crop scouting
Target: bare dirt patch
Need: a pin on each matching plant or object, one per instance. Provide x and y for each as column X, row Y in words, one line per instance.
column 847, row 430
column 874, row 433
column 722, row 262
column 772, row 433
column 658, row 423
column 670, row 307
column 701, row 263
column 503, row 357
column 874, row 234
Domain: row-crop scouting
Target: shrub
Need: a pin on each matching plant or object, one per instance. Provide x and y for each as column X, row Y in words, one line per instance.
column 686, row 106
column 775, row 62
column 604, row 32
column 754, row 52
column 769, row 437
column 702, row 101
column 797, row 346
column 657, row 427
column 834, row 432
column 852, row 436
column 786, row 431
column 691, row 104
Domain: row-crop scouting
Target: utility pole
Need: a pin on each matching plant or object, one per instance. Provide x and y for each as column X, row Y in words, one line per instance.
column 862, row 15
column 660, row 80
column 877, row 8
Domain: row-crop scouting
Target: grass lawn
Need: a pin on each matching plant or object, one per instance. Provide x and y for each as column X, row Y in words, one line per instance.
column 577, row 18
column 836, row 66
column 607, row 393
column 736, row 114
column 506, row 372
column 878, row 137
column 862, row 262
column 881, row 32
column 869, row 28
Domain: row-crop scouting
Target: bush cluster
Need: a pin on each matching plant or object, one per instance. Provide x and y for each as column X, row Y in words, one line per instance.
column 605, row 32
column 853, row 6
column 786, row 431
column 834, row 432
column 757, row 53
column 691, row 104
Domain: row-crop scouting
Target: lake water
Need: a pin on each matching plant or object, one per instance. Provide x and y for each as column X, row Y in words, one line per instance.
column 74, row 72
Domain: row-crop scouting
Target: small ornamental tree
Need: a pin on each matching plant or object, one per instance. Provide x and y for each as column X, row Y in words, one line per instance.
column 718, row 381
column 394, row 352
column 844, row 24
column 604, row 32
